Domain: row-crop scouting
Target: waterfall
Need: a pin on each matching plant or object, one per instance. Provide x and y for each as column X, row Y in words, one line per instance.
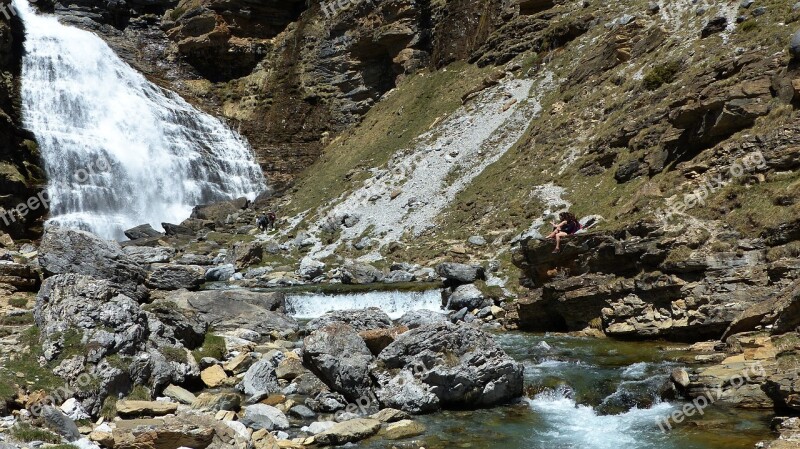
column 118, row 150
column 394, row 303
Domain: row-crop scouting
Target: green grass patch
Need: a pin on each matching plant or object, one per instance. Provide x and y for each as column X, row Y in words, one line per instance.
column 17, row 320
column 139, row 393
column 172, row 354
column 392, row 124
column 109, row 408
column 213, row 346
column 26, row 432
column 18, row 302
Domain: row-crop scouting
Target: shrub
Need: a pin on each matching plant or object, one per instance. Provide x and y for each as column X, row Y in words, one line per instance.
column 661, row 74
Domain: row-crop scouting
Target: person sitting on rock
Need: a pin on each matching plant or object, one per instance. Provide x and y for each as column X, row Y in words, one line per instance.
column 271, row 219
column 569, row 225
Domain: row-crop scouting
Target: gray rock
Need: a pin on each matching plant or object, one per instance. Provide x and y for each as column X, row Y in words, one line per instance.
column 461, row 365
column 653, row 8
column 359, row 273
column 794, row 45
column 260, row 380
column 319, row 426
column 173, row 229
column 145, row 255
column 60, row 423
column 459, row 315
column 340, row 358
column 174, row 324
column 221, row 273
column 468, row 296
column 142, row 232
column 244, row 254
column 416, row 318
column 326, row 402
column 69, row 251
column 398, row 276
column 359, row 319
column 458, row 273
column 232, row 310
column 176, row 277
column 179, row 394
column 302, row 412
column 194, row 259
column 476, row 240
column 261, row 416
column 760, row 11
column 796, row 7
column 106, row 322
column 310, row 269
column 348, row 432
column 363, row 243
column 405, row 391
column 746, row 3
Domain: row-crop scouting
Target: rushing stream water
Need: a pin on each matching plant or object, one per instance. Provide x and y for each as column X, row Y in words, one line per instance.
column 118, row 150
column 586, row 393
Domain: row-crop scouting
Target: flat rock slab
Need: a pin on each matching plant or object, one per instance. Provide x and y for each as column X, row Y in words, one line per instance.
column 145, row 408
column 349, row 431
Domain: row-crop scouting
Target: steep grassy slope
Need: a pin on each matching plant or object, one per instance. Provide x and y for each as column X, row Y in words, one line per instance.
column 645, row 106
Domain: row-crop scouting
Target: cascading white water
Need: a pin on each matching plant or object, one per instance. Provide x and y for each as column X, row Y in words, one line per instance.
column 394, row 303
column 118, row 150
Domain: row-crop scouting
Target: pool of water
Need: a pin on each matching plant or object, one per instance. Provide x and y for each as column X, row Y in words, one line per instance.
column 588, row 394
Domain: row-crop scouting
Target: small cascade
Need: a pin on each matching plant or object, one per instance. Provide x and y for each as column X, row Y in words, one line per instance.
column 394, row 303
column 118, row 150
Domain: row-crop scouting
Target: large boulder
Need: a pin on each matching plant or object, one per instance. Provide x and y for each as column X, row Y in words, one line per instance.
column 221, row 273
column 359, row 319
column 461, row 365
column 467, row 296
column 359, row 273
column 260, row 380
column 176, row 277
column 261, row 416
column 145, row 255
column 142, row 232
column 348, row 432
column 340, row 358
column 69, row 251
column 459, row 273
column 104, row 343
column 245, row 254
column 232, row 310
column 417, row 318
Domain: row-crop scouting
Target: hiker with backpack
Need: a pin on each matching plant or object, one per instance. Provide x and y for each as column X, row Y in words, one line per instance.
column 569, row 225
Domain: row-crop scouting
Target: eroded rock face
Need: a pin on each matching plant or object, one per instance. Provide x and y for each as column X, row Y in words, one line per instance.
column 21, row 175
column 461, row 365
column 641, row 283
column 71, row 251
column 360, row 320
column 340, row 358
column 233, row 310
column 91, row 329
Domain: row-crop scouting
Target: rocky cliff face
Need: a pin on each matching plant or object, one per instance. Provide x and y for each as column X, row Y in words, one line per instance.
column 289, row 75
column 19, row 162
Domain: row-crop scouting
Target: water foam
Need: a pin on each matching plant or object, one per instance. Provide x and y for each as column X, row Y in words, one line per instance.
column 394, row 303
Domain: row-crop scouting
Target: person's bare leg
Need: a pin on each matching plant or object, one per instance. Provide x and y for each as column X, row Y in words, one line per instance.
column 559, row 236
